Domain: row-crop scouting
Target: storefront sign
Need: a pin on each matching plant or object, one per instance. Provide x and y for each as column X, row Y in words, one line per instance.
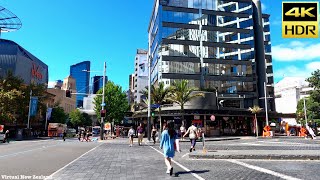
column 107, row 126
column 196, row 117
column 1, row 128
column 35, row 72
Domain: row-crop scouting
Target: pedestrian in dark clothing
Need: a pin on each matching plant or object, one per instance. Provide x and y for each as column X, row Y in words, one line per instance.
column 79, row 135
column 83, row 136
column 6, row 136
column 64, row 136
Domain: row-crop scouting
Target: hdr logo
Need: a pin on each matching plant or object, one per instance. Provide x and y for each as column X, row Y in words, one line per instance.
column 300, row 20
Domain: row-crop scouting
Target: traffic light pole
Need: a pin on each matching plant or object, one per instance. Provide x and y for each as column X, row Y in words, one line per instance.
column 103, row 104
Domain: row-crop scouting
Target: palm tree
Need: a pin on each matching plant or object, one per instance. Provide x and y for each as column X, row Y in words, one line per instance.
column 159, row 95
column 181, row 94
column 255, row 110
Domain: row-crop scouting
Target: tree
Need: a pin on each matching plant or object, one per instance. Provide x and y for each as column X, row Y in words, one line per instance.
column 312, row 102
column 76, row 117
column 58, row 115
column 159, row 95
column 255, row 110
column 80, row 119
column 115, row 100
column 11, row 97
column 181, row 94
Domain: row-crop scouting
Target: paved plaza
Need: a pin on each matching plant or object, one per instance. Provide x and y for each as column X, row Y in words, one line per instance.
column 114, row 159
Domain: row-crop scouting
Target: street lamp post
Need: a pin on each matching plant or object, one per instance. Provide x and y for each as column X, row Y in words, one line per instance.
column 28, row 125
column 149, row 98
column 103, row 104
column 305, row 110
column 265, row 102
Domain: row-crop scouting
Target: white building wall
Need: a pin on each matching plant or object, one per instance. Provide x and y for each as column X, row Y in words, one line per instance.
column 288, row 92
column 141, row 78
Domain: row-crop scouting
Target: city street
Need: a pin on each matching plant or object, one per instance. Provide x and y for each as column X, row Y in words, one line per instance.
column 114, row 159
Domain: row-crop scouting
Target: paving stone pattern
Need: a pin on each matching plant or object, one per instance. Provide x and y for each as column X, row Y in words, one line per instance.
column 116, row 160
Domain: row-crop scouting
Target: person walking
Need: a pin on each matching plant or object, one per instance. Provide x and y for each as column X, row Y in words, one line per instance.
column 192, row 131
column 130, row 135
column 140, row 134
column 79, row 135
column 6, row 136
column 168, row 138
column 182, row 131
column 154, row 132
column 64, row 134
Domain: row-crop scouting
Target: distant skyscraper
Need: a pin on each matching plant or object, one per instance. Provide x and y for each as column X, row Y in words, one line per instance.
column 82, row 79
column 98, row 83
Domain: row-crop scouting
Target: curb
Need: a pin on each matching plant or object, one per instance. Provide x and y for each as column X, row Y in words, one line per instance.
column 255, row 156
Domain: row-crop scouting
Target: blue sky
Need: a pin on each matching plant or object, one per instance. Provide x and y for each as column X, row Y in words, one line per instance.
column 65, row 32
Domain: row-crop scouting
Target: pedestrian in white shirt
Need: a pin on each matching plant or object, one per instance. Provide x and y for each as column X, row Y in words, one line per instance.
column 192, row 131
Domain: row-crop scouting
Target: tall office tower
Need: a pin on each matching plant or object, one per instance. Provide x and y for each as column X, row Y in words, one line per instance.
column 140, row 74
column 97, row 83
column 215, row 44
column 80, row 72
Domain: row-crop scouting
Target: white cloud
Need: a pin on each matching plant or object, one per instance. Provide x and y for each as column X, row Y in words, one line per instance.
column 263, row 7
column 294, row 71
column 51, row 84
column 296, row 51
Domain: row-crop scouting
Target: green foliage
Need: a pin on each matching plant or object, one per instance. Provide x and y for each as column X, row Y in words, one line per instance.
column 181, row 93
column 79, row 119
column 115, row 100
column 312, row 102
column 58, row 115
column 255, row 109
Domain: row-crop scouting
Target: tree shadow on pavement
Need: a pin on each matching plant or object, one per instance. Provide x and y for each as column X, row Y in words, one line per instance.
column 176, row 174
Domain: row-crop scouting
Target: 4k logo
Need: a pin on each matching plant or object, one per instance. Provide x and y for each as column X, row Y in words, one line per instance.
column 300, row 20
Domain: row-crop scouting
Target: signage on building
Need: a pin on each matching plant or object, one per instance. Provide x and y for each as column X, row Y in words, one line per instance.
column 143, row 66
column 107, row 126
column 35, row 72
column 196, row 117
column 300, row 19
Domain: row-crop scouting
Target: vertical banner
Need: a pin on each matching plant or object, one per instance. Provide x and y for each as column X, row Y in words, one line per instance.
column 49, row 111
column 34, row 106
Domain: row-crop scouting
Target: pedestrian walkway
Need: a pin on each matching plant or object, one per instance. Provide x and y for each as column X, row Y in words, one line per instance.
column 116, row 160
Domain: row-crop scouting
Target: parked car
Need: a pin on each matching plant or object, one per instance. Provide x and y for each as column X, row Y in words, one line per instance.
column 2, row 137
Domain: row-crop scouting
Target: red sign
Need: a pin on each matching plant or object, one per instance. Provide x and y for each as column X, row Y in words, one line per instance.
column 1, row 128
column 212, row 118
column 35, row 72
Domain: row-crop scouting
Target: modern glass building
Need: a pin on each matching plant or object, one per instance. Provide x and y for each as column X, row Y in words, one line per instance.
column 213, row 44
column 221, row 45
column 21, row 63
column 80, row 72
column 98, row 83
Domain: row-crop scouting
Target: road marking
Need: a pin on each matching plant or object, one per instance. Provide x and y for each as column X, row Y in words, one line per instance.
column 252, row 144
column 180, row 165
column 267, row 171
column 185, row 155
column 22, row 152
column 50, row 177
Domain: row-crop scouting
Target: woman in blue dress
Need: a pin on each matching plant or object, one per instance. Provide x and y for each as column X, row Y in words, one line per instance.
column 168, row 138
